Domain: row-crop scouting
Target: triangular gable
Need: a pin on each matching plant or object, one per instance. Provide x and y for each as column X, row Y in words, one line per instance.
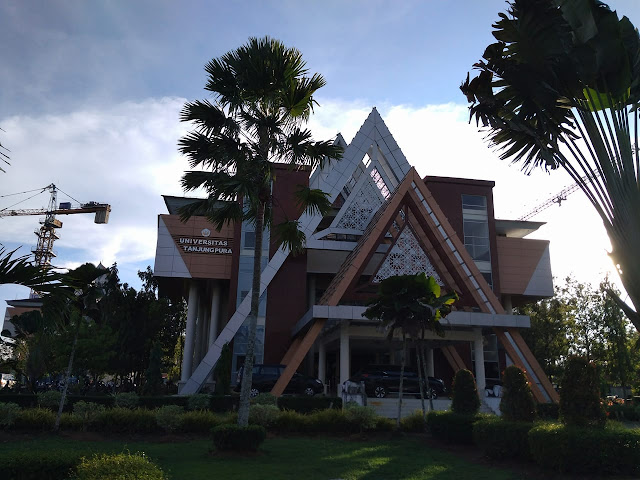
column 406, row 257
column 445, row 250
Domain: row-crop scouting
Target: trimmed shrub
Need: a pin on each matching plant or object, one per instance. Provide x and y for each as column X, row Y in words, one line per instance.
column 154, row 402
column 39, row 419
column 169, row 417
column 224, row 404
column 291, row 422
column 37, row 464
column 362, row 418
column 464, row 392
column 517, row 403
column 201, row 421
column 330, row 421
column 199, row 401
column 222, row 371
column 583, row 450
column 626, row 411
column 548, row 411
column 413, row 423
column 502, row 439
column 309, row 404
column 8, row 413
column 263, row 415
column 122, row 466
column 128, row 400
column 50, row 399
column 68, row 421
column 86, row 412
column 580, row 394
column 452, row 427
column 238, row 439
column 264, row 399
column 124, row 420
column 24, row 400
column 384, row 424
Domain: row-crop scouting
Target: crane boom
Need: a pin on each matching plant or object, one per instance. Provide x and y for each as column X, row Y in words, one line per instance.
column 86, row 208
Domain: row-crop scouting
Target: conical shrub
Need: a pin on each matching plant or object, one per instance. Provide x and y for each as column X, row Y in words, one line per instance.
column 465, row 393
column 517, row 402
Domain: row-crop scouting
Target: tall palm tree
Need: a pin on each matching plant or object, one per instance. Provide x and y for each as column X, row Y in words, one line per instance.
column 410, row 304
column 263, row 96
column 560, row 89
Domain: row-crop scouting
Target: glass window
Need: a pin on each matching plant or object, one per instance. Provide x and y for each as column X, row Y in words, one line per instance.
column 474, row 202
column 249, row 239
column 271, row 371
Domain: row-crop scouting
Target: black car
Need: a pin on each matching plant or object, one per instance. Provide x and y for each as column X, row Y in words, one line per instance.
column 381, row 380
column 266, row 376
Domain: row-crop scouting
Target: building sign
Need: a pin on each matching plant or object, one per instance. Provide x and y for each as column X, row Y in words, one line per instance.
column 208, row 245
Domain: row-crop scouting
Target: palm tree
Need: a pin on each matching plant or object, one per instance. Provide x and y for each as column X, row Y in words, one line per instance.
column 410, row 304
column 263, row 96
column 72, row 305
column 21, row 271
column 560, row 89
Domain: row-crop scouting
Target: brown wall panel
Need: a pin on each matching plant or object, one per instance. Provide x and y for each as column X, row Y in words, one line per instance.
column 518, row 259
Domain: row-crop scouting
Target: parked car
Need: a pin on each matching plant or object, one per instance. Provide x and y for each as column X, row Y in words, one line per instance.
column 381, row 380
column 265, row 377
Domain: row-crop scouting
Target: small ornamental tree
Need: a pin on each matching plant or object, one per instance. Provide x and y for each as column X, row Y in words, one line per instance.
column 465, row 393
column 517, row 402
column 580, row 394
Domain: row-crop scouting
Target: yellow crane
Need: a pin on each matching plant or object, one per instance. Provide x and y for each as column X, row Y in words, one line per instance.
column 43, row 252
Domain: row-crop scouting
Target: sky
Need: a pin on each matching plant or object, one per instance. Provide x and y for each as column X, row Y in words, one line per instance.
column 90, row 95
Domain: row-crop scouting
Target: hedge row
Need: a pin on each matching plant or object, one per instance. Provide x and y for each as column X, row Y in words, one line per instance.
column 216, row 403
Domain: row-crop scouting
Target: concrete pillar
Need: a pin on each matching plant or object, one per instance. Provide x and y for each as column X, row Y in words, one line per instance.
column 507, row 304
column 322, row 364
column 345, row 367
column 192, row 313
column 429, row 361
column 311, row 291
column 478, row 354
column 201, row 331
column 214, row 324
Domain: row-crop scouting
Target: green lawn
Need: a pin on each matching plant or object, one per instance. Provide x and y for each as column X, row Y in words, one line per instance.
column 291, row 458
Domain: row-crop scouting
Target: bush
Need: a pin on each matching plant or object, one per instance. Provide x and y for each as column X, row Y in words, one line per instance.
column 35, row 464
column 238, row 439
column 583, row 450
column 8, row 413
column 291, row 422
column 169, row 417
column 263, row 415
column 122, row 466
column 362, row 418
column 330, row 421
column 24, row 400
column 70, row 422
column 309, row 404
column 500, row 439
column 224, row 403
column 39, row 419
column 517, row 403
column 200, row 401
column 124, row 420
column 452, row 427
column 465, row 398
column 50, row 399
column 413, row 423
column 384, row 424
column 222, row 371
column 201, row 421
column 264, row 399
column 87, row 412
column 154, row 402
column 126, row 400
column 580, row 394
column 625, row 411
column 547, row 411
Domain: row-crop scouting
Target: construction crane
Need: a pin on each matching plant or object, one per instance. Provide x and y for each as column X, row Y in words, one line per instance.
column 43, row 252
column 558, row 198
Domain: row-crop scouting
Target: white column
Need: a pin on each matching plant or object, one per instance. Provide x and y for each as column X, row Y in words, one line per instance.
column 215, row 313
column 322, row 364
column 201, row 331
column 192, row 312
column 311, row 291
column 344, row 354
column 429, row 360
column 478, row 353
column 507, row 304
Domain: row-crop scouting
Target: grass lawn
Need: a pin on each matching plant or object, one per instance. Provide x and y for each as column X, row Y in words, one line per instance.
column 288, row 458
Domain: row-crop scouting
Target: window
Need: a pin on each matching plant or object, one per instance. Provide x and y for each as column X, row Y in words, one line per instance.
column 249, row 239
column 474, row 202
column 476, row 239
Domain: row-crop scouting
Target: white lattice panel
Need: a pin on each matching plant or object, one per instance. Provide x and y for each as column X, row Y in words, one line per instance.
column 406, row 258
column 364, row 205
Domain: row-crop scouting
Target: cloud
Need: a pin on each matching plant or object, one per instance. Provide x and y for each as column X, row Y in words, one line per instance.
column 126, row 155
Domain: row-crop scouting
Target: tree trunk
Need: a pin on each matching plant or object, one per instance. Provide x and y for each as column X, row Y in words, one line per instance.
column 56, row 426
column 426, row 373
column 247, row 377
column 418, row 345
column 402, row 362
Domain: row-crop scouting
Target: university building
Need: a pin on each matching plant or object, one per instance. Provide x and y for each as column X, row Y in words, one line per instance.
column 386, row 221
